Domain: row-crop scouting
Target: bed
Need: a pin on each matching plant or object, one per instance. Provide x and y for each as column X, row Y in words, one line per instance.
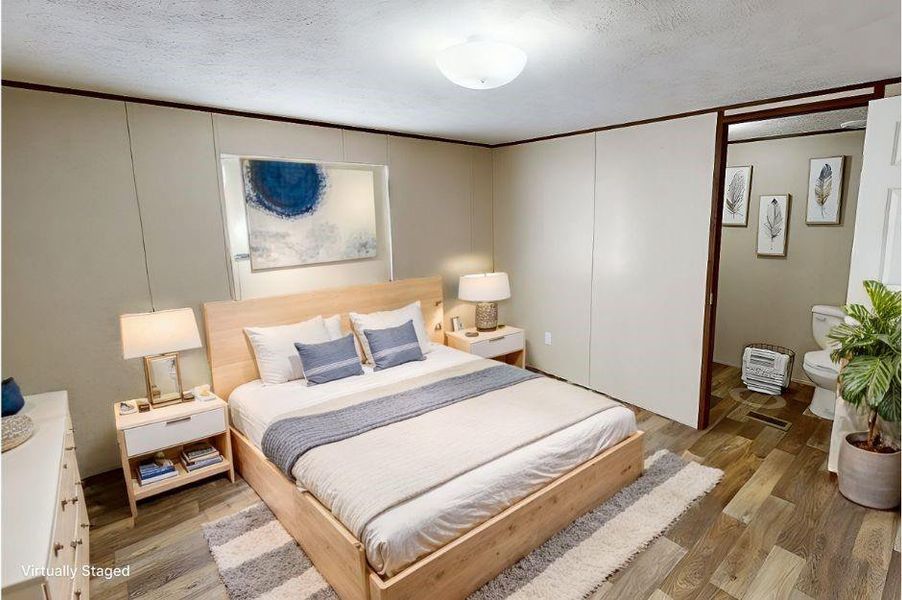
column 439, row 537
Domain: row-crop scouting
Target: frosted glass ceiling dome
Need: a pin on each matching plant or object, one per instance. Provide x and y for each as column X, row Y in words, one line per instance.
column 481, row 64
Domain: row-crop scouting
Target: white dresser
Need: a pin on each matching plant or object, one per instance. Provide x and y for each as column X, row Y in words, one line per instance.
column 45, row 521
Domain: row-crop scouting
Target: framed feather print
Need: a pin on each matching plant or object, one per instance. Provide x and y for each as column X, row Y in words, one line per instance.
column 737, row 186
column 825, row 191
column 773, row 222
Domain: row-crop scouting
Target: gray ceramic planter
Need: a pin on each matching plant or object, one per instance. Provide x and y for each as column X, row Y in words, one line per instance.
column 869, row 478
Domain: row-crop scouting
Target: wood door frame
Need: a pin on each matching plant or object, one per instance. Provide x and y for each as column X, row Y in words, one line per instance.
column 725, row 118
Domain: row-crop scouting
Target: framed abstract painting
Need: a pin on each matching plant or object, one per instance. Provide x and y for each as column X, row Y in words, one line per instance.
column 302, row 213
column 773, row 223
column 737, row 187
column 825, row 191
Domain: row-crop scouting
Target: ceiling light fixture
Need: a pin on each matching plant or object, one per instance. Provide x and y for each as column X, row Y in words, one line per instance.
column 480, row 64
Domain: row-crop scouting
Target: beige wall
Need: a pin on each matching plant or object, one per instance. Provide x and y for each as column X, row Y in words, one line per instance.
column 176, row 179
column 770, row 299
column 441, row 198
column 543, row 195
column 73, row 258
column 74, row 249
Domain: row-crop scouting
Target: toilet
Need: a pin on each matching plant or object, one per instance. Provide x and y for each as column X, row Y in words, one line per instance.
column 817, row 364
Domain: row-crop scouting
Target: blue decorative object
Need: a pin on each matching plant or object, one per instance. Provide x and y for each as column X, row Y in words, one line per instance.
column 287, row 190
column 12, row 397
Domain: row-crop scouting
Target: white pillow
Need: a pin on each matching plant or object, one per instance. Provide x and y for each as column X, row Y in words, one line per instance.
column 277, row 359
column 333, row 326
column 391, row 318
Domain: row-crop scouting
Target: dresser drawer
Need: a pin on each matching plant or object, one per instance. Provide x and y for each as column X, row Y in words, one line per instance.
column 165, row 434
column 498, row 346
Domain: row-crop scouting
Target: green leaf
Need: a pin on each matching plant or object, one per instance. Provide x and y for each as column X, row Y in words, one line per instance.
column 890, row 409
column 887, row 303
column 859, row 312
column 871, row 377
column 867, row 378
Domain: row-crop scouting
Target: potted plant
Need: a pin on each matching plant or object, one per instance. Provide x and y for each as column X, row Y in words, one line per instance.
column 869, row 462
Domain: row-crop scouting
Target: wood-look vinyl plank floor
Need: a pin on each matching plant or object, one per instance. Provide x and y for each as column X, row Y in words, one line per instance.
column 774, row 527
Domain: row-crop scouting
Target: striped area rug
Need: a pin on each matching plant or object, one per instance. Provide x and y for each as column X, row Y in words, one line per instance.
column 258, row 559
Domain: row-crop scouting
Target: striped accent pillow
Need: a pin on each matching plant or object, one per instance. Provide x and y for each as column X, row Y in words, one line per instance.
column 393, row 346
column 329, row 361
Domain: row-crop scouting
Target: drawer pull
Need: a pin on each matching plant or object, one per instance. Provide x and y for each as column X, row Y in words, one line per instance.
column 181, row 420
column 77, row 593
column 85, row 525
column 75, row 543
column 65, row 465
column 56, row 548
column 63, row 503
column 73, row 499
column 70, row 447
column 496, row 339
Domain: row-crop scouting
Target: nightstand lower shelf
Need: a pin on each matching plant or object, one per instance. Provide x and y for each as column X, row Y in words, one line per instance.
column 184, row 477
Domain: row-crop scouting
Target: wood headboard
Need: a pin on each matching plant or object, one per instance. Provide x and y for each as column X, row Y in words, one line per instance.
column 229, row 351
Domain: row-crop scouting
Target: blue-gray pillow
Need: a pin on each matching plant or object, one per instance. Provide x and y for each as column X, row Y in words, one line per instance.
column 329, row 361
column 393, row 346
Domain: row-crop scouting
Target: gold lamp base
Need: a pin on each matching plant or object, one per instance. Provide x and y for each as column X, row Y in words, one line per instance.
column 486, row 316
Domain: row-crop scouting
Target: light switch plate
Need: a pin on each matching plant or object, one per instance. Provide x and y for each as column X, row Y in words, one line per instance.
column 547, row 338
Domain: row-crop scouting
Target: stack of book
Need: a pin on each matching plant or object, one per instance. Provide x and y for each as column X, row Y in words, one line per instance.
column 198, row 456
column 155, row 469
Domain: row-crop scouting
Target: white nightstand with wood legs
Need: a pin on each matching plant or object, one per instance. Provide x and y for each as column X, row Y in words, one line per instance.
column 167, row 429
column 507, row 344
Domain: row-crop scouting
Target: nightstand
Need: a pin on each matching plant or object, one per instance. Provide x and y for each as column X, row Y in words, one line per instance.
column 507, row 344
column 167, row 429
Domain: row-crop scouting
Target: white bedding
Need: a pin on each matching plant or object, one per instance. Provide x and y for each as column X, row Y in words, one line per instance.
column 399, row 536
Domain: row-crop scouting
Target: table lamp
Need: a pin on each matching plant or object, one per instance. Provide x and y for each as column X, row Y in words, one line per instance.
column 158, row 337
column 485, row 289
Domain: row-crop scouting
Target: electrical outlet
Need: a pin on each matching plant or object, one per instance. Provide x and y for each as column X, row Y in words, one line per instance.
column 547, row 338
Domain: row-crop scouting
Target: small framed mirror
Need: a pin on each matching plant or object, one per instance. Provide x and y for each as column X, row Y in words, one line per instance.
column 164, row 378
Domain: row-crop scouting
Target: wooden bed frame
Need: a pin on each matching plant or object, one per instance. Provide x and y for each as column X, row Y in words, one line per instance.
column 457, row 568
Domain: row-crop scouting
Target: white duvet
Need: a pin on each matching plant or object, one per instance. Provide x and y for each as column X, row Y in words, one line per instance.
column 419, row 526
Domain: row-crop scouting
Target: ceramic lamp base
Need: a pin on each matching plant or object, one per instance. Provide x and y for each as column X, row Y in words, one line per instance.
column 486, row 316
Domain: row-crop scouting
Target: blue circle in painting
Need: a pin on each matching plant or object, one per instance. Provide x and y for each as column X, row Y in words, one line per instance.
column 285, row 189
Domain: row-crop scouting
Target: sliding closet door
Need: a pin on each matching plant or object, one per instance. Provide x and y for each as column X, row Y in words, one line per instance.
column 652, row 216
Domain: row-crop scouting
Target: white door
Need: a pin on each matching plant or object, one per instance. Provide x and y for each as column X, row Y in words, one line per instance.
column 875, row 247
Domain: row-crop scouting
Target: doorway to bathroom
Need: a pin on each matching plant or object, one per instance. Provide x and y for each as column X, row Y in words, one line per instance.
column 786, row 191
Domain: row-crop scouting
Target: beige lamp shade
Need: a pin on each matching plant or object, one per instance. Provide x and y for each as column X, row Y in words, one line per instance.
column 147, row 334
column 484, row 287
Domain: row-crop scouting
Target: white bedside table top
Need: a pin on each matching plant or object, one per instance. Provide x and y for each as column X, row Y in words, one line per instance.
column 484, row 335
column 165, row 413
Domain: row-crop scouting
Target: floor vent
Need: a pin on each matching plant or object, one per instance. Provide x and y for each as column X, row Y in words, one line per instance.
column 769, row 420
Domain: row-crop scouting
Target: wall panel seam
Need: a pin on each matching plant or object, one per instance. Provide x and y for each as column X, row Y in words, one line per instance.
column 592, row 262
column 131, row 153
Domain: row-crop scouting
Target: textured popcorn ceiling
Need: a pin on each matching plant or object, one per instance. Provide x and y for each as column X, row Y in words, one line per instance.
column 370, row 63
column 825, row 121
